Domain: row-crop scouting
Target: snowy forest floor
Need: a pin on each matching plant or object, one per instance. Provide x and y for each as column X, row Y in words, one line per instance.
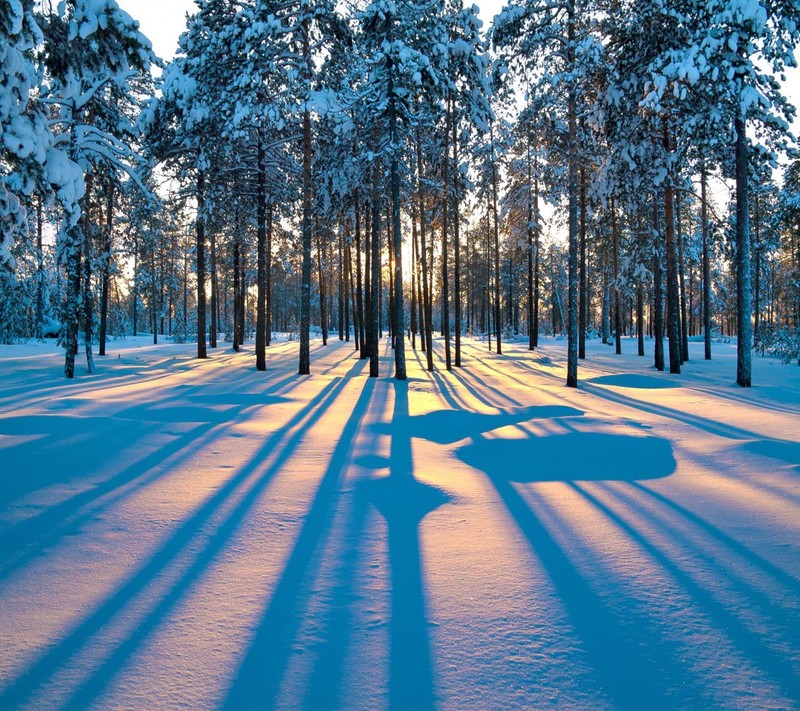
column 177, row 533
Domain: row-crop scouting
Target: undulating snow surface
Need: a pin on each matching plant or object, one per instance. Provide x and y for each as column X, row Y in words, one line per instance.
column 177, row 533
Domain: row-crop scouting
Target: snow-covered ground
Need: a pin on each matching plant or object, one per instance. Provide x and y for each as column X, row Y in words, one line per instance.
column 186, row 534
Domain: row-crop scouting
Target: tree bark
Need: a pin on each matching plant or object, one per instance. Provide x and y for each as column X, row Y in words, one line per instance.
column 744, row 327
column 106, row 273
column 261, row 260
column 706, row 266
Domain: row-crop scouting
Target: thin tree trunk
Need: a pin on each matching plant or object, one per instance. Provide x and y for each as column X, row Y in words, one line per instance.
column 305, row 288
column 744, row 327
column 88, row 316
column 583, row 302
column 399, row 325
column 106, row 273
column 456, row 243
column 496, row 251
column 706, row 266
column 445, row 225
column 261, row 260
column 572, row 217
column 673, row 300
column 375, row 281
column 682, row 283
column 658, row 307
column 426, row 290
column 615, row 286
column 323, row 311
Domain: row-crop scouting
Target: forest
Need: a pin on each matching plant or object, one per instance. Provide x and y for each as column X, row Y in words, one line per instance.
column 588, row 168
column 368, row 356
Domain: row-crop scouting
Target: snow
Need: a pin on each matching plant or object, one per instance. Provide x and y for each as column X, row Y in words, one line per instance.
column 177, row 533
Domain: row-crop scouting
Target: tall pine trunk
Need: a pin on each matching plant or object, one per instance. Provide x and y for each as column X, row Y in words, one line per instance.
column 445, row 256
column 423, row 253
column 658, row 306
column 106, row 273
column 375, row 277
column 706, row 266
column 261, row 260
column 744, row 326
column 399, row 310
column 304, row 367
column 456, row 244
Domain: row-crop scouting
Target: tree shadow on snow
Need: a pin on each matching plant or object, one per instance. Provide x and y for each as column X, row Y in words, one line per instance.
column 240, row 492
column 574, row 456
column 634, row 380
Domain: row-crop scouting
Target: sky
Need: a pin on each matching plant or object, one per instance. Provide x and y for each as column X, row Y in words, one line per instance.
column 162, row 21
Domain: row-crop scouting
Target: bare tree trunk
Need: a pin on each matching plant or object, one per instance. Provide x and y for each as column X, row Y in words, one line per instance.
column 582, row 288
column 399, row 325
column 375, row 281
column 615, row 246
column 682, row 283
column 572, row 216
column 426, row 291
column 305, row 287
column 88, row 315
column 744, row 326
column 106, row 273
column 445, row 259
column 237, row 286
column 496, row 251
column 670, row 246
column 261, row 259
column 658, row 307
column 706, row 266
column 323, row 311
column 456, row 242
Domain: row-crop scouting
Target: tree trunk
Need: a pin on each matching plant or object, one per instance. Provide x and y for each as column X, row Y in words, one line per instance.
column 617, row 316
column 706, row 266
column 261, row 260
column 426, row 292
column 496, row 251
column 375, row 280
column 399, row 310
column 583, row 302
column 305, row 287
column 237, row 286
column 744, row 327
column 682, row 283
column 445, row 217
column 670, row 246
column 456, row 242
column 658, row 307
column 106, row 273
column 323, row 311
column 572, row 217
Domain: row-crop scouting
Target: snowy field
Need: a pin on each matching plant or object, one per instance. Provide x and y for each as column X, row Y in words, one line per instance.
column 198, row 535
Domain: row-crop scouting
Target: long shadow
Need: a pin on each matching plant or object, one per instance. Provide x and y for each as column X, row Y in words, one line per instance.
column 610, row 646
column 59, row 654
column 771, row 662
column 258, row 678
column 766, row 566
column 449, row 426
column 22, row 541
column 708, row 559
column 404, row 502
column 710, row 426
column 93, row 687
column 578, row 456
